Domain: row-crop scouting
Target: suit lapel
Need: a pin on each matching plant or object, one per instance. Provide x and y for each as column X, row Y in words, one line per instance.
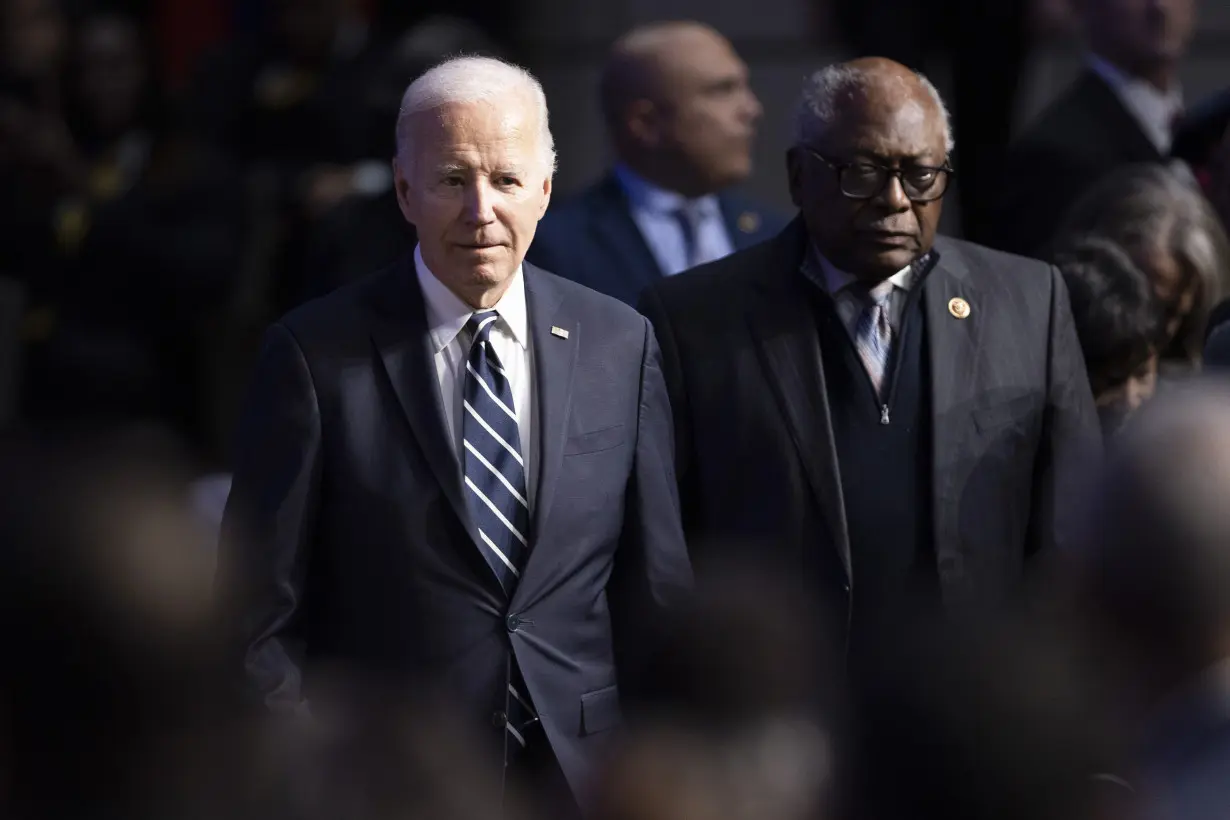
column 789, row 346
column 744, row 224
column 404, row 349
column 554, row 357
column 954, row 348
column 615, row 228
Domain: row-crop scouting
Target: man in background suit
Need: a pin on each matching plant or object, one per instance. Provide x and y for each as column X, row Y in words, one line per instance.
column 682, row 118
column 455, row 476
column 890, row 415
column 1120, row 111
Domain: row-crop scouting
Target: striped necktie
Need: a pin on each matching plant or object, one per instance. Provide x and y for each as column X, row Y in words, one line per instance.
column 873, row 337
column 494, row 468
column 495, row 490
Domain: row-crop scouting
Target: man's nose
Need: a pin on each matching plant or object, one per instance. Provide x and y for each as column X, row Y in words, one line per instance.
column 893, row 194
column 479, row 201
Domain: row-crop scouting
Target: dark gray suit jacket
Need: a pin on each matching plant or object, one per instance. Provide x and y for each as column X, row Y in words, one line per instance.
column 1011, row 405
column 347, row 530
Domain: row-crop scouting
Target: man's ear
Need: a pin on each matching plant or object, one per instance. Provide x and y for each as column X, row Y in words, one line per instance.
column 401, row 183
column 643, row 122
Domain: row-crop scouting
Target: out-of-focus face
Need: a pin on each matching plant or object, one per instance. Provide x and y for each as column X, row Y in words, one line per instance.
column 1175, row 286
column 1134, row 392
column 871, row 238
column 34, row 37
column 707, row 112
column 111, row 73
column 1139, row 33
column 474, row 187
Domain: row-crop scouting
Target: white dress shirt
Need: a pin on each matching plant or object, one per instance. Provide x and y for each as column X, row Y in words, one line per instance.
column 850, row 305
column 1154, row 110
column 653, row 211
column 446, row 321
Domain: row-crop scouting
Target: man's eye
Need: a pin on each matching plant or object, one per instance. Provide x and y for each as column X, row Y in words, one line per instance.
column 507, row 182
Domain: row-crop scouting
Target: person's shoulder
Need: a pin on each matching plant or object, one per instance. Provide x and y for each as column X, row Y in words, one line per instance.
column 1027, row 281
column 716, row 281
column 751, row 216
column 607, row 310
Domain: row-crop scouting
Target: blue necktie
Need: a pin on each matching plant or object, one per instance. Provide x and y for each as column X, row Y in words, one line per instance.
column 687, row 218
column 494, row 467
column 495, row 488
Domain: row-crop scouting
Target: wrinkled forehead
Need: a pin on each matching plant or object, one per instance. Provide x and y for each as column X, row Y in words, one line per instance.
column 507, row 128
column 890, row 123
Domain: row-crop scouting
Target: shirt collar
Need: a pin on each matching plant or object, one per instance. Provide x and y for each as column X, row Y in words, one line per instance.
column 835, row 280
column 447, row 314
column 1153, row 109
column 644, row 195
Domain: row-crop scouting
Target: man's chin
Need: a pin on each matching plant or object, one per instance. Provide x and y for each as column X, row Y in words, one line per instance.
column 885, row 261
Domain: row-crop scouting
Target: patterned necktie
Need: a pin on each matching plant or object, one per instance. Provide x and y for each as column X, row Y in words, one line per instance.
column 494, row 467
column 873, row 336
column 495, row 490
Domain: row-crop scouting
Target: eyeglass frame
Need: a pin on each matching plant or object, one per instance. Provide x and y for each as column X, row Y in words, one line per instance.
column 841, row 167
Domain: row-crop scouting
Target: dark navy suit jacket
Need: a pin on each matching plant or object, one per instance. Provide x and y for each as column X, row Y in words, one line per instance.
column 593, row 239
column 347, row 532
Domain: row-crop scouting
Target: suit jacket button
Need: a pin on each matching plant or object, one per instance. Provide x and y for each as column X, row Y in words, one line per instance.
column 499, row 720
column 512, row 622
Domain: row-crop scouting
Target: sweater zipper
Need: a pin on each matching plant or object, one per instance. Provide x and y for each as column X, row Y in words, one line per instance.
column 911, row 296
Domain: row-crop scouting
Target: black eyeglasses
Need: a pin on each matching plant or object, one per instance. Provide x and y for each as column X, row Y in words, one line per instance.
column 865, row 180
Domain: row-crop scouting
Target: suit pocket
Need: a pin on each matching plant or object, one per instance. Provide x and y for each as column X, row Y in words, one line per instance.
column 597, row 441
column 600, row 710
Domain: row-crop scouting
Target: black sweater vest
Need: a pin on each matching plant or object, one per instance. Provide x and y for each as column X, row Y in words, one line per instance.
column 885, row 472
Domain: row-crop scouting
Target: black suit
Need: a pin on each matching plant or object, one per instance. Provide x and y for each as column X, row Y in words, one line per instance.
column 357, row 547
column 1081, row 137
column 1007, row 398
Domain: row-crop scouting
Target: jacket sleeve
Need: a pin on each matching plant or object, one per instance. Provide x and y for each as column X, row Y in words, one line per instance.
column 267, row 530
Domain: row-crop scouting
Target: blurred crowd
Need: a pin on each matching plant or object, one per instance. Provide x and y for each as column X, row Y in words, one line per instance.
column 151, row 227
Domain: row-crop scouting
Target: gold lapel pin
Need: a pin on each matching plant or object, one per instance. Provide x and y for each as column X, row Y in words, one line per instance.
column 559, row 331
column 958, row 307
column 748, row 222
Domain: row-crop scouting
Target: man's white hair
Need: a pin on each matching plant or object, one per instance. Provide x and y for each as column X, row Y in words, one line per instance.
column 473, row 79
column 824, row 92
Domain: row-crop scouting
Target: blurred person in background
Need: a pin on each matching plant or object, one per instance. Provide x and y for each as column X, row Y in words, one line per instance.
column 762, row 771
column 1121, row 110
column 33, row 170
column 1158, row 578
column 1172, row 234
column 682, row 117
column 456, row 473
column 993, row 721
column 367, row 232
column 149, row 228
column 1119, row 322
column 114, row 694
column 894, row 417
column 287, row 104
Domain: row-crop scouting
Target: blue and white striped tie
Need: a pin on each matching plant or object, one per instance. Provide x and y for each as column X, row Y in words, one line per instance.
column 494, row 467
column 495, row 488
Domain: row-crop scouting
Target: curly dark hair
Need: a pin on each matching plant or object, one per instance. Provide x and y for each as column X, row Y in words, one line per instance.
column 1119, row 320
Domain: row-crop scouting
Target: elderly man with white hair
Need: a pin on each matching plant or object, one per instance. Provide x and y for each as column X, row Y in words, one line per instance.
column 455, row 476
column 891, row 415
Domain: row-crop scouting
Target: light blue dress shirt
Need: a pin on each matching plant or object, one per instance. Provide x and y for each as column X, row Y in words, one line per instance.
column 656, row 214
